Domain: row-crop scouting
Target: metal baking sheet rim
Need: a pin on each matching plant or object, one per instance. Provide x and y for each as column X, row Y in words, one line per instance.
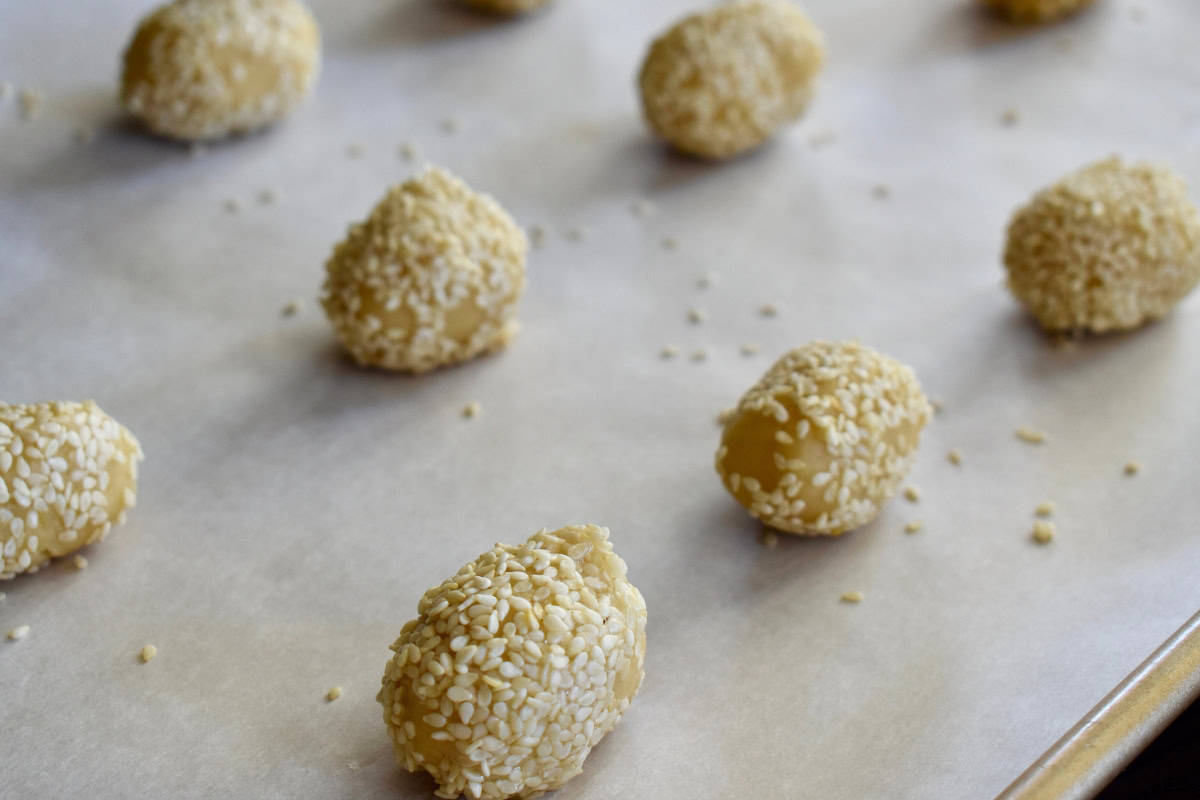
column 1120, row 726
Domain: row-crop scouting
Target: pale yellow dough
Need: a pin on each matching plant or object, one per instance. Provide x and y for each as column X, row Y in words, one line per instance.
column 431, row 278
column 823, row 438
column 506, row 6
column 1037, row 10
column 1107, row 248
column 205, row 69
column 68, row 473
column 722, row 81
column 515, row 668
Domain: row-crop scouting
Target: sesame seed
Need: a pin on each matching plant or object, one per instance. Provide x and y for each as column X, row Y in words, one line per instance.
column 769, row 539
column 18, row 633
column 707, row 280
column 769, row 310
column 700, row 355
column 30, row 101
column 1043, row 531
column 955, row 456
column 912, row 494
column 749, row 349
column 669, row 243
column 472, row 410
column 232, row 205
column 937, row 404
column 881, row 191
column 537, row 235
column 148, row 653
column 1009, row 118
column 913, row 526
column 267, row 196
column 696, row 315
column 333, row 694
column 643, row 208
column 355, row 150
column 853, row 598
column 80, row 562
column 1044, row 509
column 575, row 234
column 292, row 308
column 668, row 352
column 1133, row 467
column 1030, row 435
column 449, row 125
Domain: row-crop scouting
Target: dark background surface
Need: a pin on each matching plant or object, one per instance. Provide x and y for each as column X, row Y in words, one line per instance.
column 1169, row 769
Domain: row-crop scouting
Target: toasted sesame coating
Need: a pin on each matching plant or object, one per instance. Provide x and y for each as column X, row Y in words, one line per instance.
column 432, row 277
column 722, row 81
column 1037, row 10
column 517, row 666
column 823, row 438
column 68, row 472
column 506, row 6
column 1107, row 248
column 205, row 69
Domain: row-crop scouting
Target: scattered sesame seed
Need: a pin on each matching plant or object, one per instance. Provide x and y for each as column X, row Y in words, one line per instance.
column 575, row 234
column 449, row 125
column 912, row 494
column 232, row 205
column 881, row 191
column 292, row 308
column 853, row 598
column 472, row 410
column 83, row 134
column 955, row 456
column 407, row 151
column 267, row 196
column 769, row 310
column 696, row 315
column 914, row 526
column 1009, row 118
column 707, row 280
column 148, row 653
column 30, row 103
column 355, row 150
column 1133, row 467
column 333, row 694
column 1030, row 435
column 769, row 539
column 668, row 352
column 1043, row 531
column 537, row 235
column 80, row 562
column 669, row 243
column 749, row 349
column 1044, row 509
column 700, row 355
column 18, row 633
column 643, row 208
column 937, row 404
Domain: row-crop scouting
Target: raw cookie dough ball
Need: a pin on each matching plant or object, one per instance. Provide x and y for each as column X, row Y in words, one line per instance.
column 506, row 6
column 1109, row 247
column 517, row 666
column 1037, row 10
column 823, row 438
column 432, row 277
column 203, row 69
column 723, row 81
column 68, row 471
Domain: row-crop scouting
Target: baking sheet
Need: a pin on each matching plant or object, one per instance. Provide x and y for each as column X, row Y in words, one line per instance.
column 294, row 507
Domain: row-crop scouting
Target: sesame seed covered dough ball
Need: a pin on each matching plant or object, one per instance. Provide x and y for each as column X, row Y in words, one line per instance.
column 506, row 6
column 1037, row 10
column 204, row 69
column 517, row 666
column 723, row 81
column 1107, row 248
column 68, row 471
column 823, row 438
column 432, row 277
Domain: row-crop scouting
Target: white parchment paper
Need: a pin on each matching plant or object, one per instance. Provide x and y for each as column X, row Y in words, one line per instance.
column 294, row 507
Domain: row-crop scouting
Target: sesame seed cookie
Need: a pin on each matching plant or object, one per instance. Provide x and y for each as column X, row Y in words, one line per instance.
column 1107, row 248
column 1037, row 10
column 721, row 82
column 823, row 439
column 517, row 666
column 68, row 471
column 206, row 69
column 431, row 278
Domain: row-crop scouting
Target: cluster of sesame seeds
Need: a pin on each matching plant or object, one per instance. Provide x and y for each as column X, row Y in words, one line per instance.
column 1109, row 247
column 68, row 471
column 203, row 69
column 517, row 666
column 1037, row 10
column 722, row 81
column 823, row 439
column 432, row 277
